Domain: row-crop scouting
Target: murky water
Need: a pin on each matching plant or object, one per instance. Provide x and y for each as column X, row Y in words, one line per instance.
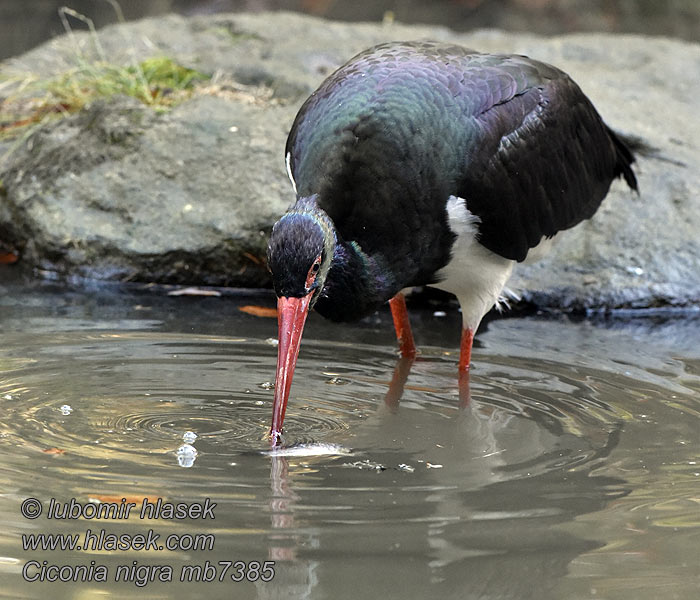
column 572, row 472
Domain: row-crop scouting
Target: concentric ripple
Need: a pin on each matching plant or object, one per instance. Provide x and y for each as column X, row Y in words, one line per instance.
column 138, row 393
column 134, row 395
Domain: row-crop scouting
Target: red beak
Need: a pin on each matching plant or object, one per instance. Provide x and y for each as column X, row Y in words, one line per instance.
column 291, row 316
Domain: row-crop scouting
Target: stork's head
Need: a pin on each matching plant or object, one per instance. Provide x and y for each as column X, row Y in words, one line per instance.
column 299, row 257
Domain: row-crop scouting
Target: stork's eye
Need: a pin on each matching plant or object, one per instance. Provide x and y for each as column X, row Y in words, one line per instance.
column 313, row 271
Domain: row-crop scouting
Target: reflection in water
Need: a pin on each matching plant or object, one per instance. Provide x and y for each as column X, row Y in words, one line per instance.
column 398, row 382
column 294, row 577
column 281, row 504
column 400, row 376
column 462, row 526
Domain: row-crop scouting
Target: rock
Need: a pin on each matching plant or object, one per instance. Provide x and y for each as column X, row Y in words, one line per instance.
column 188, row 196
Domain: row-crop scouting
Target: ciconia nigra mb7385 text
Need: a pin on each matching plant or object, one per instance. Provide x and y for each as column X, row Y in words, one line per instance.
column 422, row 163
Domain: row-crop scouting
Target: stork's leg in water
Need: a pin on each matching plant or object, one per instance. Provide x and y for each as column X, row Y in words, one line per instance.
column 407, row 346
column 408, row 353
column 465, row 356
column 403, row 326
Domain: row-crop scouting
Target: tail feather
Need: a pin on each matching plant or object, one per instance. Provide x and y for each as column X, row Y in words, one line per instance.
column 625, row 158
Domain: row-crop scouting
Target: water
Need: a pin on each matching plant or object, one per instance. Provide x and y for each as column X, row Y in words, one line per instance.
column 572, row 472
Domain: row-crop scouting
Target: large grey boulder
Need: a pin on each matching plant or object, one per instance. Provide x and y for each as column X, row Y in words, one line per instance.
column 188, row 196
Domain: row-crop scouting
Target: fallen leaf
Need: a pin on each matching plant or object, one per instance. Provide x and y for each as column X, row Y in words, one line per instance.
column 8, row 258
column 259, row 311
column 53, row 451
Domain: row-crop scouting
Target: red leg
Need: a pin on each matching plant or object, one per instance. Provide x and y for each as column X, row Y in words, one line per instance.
column 465, row 349
column 465, row 355
column 402, row 325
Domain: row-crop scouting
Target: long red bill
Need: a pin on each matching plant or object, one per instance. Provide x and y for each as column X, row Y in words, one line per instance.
column 291, row 316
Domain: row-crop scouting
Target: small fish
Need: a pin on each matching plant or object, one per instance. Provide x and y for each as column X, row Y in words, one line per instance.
column 309, row 450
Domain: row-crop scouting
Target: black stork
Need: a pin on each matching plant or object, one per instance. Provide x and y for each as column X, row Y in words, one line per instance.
column 422, row 163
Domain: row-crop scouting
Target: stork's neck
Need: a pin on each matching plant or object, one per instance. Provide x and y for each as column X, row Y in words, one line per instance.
column 356, row 286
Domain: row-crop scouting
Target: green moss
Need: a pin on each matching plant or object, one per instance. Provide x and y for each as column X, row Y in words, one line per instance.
column 159, row 82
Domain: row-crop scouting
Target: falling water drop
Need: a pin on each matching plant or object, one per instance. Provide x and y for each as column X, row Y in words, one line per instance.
column 186, row 455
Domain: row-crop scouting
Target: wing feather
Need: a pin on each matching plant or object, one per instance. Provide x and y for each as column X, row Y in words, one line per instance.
column 515, row 137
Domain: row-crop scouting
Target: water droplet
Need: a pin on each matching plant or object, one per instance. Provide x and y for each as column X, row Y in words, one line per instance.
column 337, row 381
column 186, row 455
column 7, row 397
column 272, row 341
column 439, row 313
column 66, row 409
column 267, row 385
column 407, row 468
column 189, row 437
column 432, row 466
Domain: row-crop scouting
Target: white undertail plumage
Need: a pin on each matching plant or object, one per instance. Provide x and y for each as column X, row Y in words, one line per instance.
column 475, row 275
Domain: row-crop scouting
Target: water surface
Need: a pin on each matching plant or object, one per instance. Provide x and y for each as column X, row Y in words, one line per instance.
column 571, row 472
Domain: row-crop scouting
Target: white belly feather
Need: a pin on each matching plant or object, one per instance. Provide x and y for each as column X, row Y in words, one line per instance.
column 475, row 275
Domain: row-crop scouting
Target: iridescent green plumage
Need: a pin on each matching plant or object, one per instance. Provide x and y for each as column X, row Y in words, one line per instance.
column 389, row 137
column 422, row 121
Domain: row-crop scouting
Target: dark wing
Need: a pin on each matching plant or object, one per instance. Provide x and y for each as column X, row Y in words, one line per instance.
column 420, row 121
column 543, row 162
